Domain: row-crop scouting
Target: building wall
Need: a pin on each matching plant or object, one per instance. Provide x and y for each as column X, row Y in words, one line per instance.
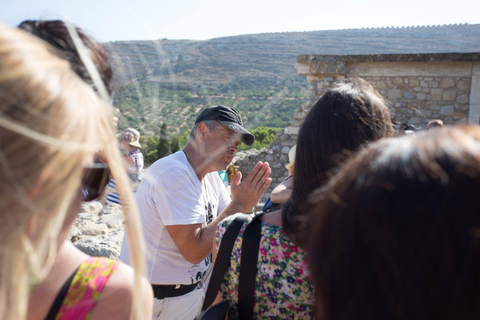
column 417, row 87
column 420, row 91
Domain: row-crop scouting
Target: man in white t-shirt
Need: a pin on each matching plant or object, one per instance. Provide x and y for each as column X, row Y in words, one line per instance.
column 181, row 200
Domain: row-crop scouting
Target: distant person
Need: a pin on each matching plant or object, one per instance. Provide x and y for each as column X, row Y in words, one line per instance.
column 181, row 201
column 281, row 193
column 224, row 177
column 409, row 130
column 129, row 142
column 51, row 127
column 396, row 233
column 436, row 123
column 345, row 118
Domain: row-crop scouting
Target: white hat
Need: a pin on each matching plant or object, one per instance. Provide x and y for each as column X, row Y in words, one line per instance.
column 131, row 136
column 291, row 158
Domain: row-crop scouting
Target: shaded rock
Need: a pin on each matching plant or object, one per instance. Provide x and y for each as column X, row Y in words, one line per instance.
column 462, row 99
column 75, row 234
column 111, row 208
column 99, row 247
column 270, row 157
column 446, row 110
column 394, row 94
column 84, row 218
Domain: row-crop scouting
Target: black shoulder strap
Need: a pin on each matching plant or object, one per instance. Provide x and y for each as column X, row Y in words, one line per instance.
column 60, row 297
column 223, row 259
column 248, row 268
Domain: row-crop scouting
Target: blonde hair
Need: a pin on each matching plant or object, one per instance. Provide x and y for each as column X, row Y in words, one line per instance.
column 291, row 167
column 51, row 124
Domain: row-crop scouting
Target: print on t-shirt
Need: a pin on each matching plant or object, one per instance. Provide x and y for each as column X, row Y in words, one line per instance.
column 198, row 271
column 209, row 212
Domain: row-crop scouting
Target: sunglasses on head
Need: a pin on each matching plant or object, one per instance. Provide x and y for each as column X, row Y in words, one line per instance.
column 95, row 179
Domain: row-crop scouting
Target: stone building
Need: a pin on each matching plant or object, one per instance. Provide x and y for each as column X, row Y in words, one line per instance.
column 418, row 88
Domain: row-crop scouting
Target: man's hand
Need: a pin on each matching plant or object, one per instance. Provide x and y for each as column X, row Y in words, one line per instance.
column 195, row 241
column 246, row 194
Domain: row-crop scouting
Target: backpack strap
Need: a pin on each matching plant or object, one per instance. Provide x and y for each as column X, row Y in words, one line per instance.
column 223, row 259
column 248, row 267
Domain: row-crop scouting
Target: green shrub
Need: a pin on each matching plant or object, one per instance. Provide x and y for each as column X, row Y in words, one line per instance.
column 264, row 136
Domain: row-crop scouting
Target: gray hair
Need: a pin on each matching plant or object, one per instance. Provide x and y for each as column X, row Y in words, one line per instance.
column 211, row 124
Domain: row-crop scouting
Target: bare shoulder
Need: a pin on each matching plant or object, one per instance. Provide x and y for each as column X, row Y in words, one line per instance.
column 289, row 181
column 116, row 299
column 274, row 218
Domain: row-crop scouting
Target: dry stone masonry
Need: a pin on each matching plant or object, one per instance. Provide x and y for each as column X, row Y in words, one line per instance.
column 418, row 88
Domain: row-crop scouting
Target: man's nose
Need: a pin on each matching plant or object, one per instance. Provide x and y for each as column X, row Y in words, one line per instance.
column 234, row 149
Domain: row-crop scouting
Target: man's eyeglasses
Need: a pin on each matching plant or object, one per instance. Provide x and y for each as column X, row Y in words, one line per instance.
column 95, row 179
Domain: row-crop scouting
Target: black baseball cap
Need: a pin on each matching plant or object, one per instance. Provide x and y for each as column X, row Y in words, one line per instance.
column 230, row 118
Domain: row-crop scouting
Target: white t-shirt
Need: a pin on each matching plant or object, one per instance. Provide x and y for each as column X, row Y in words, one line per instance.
column 171, row 194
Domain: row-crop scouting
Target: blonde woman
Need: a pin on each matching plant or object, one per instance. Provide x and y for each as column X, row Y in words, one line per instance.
column 51, row 126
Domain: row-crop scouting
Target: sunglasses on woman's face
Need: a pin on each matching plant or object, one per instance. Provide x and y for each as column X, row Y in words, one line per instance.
column 95, row 179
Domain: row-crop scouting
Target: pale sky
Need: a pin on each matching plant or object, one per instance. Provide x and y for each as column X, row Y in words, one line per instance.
column 109, row 20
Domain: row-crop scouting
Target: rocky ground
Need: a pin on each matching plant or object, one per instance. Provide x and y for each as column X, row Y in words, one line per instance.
column 98, row 229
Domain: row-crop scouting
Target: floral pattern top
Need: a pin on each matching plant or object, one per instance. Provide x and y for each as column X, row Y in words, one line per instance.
column 283, row 288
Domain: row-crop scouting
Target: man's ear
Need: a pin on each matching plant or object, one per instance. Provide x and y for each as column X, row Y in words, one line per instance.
column 202, row 131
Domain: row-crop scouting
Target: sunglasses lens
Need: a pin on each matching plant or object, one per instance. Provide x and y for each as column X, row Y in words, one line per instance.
column 94, row 181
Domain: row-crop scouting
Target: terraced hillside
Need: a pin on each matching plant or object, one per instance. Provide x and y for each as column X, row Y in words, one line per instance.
column 169, row 80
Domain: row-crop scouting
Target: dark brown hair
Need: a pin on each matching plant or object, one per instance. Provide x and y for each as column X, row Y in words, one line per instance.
column 343, row 119
column 396, row 234
column 56, row 34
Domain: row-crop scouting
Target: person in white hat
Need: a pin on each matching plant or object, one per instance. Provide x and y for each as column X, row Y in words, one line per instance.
column 129, row 141
column 282, row 192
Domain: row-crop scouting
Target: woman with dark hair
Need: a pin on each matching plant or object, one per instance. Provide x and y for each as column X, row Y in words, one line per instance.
column 346, row 116
column 57, row 35
column 396, row 233
column 344, row 119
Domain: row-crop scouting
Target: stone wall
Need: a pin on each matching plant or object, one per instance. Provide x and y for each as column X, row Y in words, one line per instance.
column 277, row 153
column 276, row 156
column 418, row 88
column 416, row 100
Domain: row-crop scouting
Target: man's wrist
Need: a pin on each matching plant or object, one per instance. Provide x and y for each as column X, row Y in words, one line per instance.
column 236, row 207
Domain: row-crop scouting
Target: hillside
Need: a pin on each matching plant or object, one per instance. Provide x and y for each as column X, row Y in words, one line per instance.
column 169, row 80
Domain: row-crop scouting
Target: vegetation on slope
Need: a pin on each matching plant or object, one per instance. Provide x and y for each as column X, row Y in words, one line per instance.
column 169, row 81
column 147, row 104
